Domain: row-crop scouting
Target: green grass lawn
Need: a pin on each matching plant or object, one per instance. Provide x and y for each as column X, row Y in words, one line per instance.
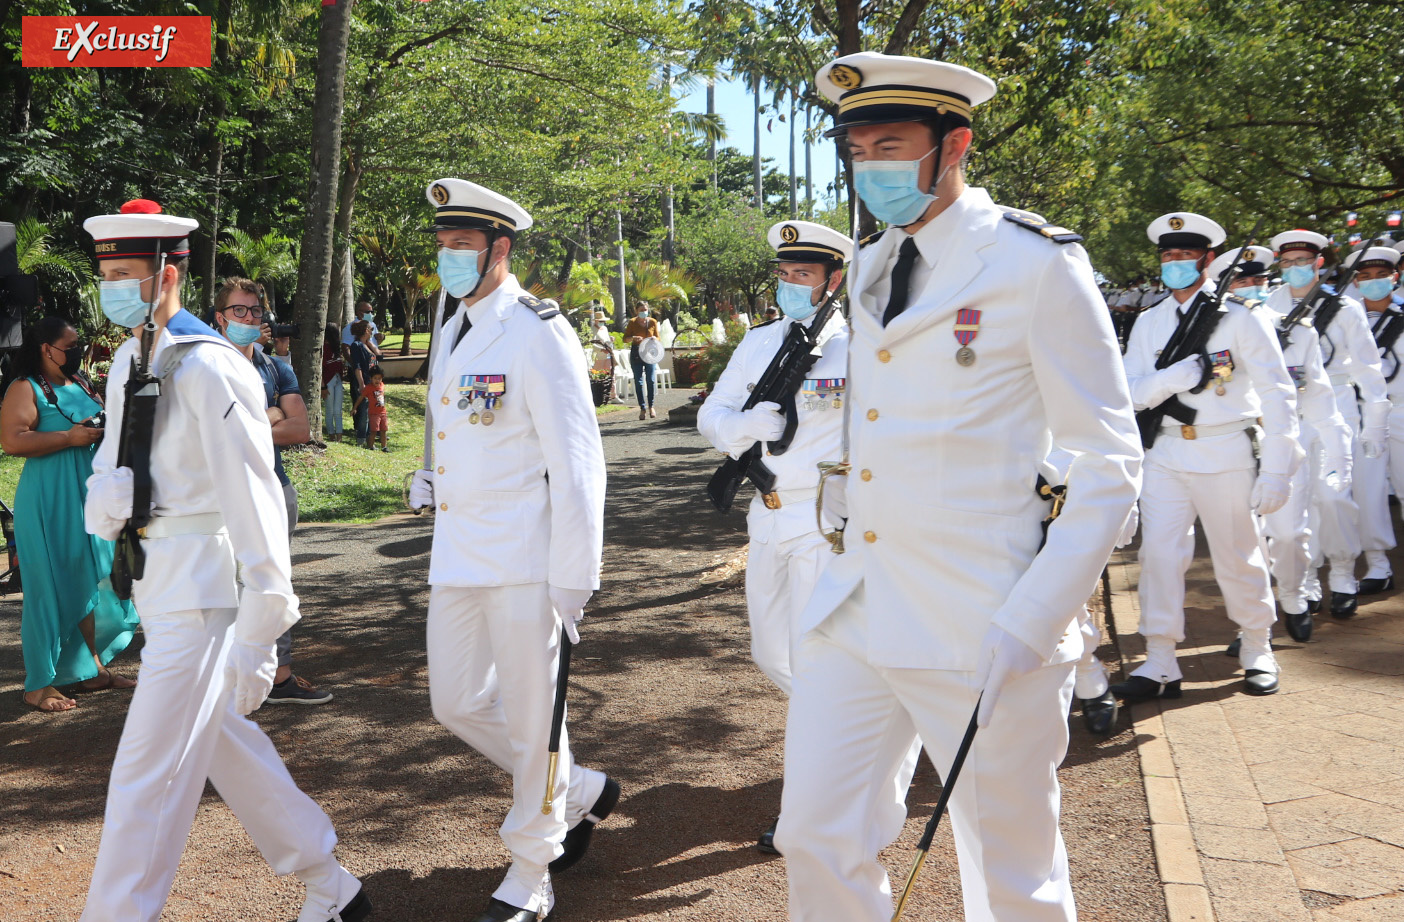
column 393, row 341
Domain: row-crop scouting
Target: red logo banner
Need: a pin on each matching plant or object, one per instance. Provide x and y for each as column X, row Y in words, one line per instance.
column 115, row 41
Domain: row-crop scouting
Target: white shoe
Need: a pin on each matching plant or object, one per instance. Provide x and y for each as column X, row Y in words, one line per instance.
column 333, row 897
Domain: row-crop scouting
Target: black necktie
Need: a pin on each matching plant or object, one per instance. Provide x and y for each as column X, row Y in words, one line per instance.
column 462, row 331
column 901, row 280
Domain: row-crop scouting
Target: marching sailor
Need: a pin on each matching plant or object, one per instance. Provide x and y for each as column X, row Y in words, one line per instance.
column 1322, row 433
column 1377, row 272
column 518, row 485
column 1352, row 362
column 1208, row 469
column 979, row 340
column 215, row 501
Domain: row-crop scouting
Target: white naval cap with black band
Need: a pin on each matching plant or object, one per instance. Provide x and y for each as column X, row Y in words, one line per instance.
column 1185, row 230
column 872, row 88
column 459, row 203
column 808, row 242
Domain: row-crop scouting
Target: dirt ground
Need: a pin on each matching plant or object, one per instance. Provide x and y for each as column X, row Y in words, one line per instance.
column 663, row 697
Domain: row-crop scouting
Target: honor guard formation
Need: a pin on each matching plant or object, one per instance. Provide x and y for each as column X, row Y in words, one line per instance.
column 938, row 485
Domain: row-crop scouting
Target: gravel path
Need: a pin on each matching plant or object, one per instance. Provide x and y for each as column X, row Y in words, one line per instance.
column 663, row 696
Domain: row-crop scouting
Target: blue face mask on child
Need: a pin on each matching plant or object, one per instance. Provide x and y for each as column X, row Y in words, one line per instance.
column 242, row 334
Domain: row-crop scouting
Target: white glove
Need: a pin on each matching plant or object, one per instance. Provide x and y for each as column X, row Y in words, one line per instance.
column 836, row 501
column 1005, row 659
column 421, row 491
column 1270, row 493
column 570, row 608
column 763, row 423
column 109, row 502
column 1337, row 474
column 250, row 669
column 1159, row 386
column 1128, row 530
column 1373, row 440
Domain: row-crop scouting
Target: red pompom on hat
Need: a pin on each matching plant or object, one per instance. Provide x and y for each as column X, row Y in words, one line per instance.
column 141, row 206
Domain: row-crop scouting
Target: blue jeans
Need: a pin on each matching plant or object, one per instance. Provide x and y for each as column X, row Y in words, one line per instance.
column 643, row 370
column 332, row 414
column 362, row 418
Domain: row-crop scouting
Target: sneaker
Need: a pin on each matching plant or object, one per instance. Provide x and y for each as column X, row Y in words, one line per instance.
column 297, row 690
column 385, row 448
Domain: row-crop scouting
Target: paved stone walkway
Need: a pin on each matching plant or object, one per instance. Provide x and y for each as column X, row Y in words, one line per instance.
column 1281, row 809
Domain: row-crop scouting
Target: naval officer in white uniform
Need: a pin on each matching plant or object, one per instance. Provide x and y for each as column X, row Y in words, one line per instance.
column 979, row 340
column 209, row 658
column 517, row 484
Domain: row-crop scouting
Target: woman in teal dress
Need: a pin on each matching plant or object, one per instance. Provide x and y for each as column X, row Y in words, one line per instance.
column 73, row 624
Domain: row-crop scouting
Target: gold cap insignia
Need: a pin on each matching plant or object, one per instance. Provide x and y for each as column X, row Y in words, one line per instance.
column 440, row 193
column 789, row 234
column 846, row 77
column 1177, row 223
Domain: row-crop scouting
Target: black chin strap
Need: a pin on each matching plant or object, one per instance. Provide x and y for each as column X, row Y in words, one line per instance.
column 492, row 242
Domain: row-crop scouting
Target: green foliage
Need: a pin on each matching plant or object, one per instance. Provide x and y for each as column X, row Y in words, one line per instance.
column 714, row 356
column 585, row 287
column 723, row 243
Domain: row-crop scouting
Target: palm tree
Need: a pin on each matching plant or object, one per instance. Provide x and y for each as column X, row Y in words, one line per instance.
column 269, row 260
column 656, row 282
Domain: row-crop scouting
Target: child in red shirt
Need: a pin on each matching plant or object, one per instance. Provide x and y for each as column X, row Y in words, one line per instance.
column 374, row 394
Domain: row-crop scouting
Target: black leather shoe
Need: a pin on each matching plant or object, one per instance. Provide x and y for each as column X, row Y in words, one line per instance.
column 359, row 908
column 1099, row 714
column 1374, row 586
column 1298, row 625
column 577, row 840
column 1313, row 606
column 1343, row 605
column 1140, row 688
column 499, row 911
column 766, row 843
column 1258, row 682
column 1233, row 648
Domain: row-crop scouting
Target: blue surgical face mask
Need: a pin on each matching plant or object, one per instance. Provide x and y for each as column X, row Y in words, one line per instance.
column 889, row 189
column 1251, row 292
column 241, row 334
column 795, row 300
column 1299, row 276
column 1375, row 289
column 121, row 301
column 368, row 316
column 458, row 271
column 643, row 315
column 1179, row 273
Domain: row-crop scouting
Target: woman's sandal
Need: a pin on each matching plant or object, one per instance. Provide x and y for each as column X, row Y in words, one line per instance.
column 53, row 694
column 112, row 681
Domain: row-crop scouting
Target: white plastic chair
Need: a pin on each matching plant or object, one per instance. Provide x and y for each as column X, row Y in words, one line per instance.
column 623, row 374
column 663, row 377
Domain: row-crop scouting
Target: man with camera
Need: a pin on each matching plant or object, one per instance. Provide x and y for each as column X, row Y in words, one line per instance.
column 239, row 315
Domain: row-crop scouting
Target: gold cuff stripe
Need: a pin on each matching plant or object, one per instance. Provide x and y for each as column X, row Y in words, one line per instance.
column 465, row 213
column 884, row 96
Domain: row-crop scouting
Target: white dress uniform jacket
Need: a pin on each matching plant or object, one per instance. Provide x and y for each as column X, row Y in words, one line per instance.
column 944, row 518
column 1350, row 356
column 521, row 500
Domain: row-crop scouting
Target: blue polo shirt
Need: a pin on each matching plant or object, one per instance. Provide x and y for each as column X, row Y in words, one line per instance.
column 278, row 380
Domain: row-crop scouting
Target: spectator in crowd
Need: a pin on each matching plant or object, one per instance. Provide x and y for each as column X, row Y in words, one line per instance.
column 359, row 363
column 641, row 327
column 365, row 312
column 771, row 313
column 373, row 394
column 333, row 382
column 604, row 343
column 239, row 316
column 72, row 623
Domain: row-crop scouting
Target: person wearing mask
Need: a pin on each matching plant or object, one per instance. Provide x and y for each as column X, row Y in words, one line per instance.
column 1352, row 362
column 215, row 596
column 333, row 383
column 518, row 482
column 642, row 327
column 365, row 312
column 239, row 317
column 72, row 624
column 360, row 360
column 1221, row 470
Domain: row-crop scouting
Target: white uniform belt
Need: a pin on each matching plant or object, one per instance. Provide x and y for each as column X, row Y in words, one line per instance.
column 1340, row 380
column 781, row 498
column 1204, row 432
column 173, row 526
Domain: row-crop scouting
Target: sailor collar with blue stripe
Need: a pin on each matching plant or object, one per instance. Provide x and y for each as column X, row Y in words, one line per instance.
column 184, row 327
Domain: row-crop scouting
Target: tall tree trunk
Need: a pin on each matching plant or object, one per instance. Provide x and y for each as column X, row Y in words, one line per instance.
column 808, row 166
column 314, row 265
column 622, row 312
column 340, row 293
column 589, row 254
column 794, row 192
column 668, row 237
column 712, row 142
column 755, row 154
column 206, row 245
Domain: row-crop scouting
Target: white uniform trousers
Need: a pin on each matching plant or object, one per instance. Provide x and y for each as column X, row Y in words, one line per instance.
column 493, row 653
column 780, row 576
column 181, row 729
column 1370, row 484
column 1170, row 501
column 850, row 728
column 1338, row 514
column 1289, row 536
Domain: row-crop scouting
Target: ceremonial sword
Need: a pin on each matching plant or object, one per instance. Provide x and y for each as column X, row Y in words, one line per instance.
column 434, row 338
column 553, row 748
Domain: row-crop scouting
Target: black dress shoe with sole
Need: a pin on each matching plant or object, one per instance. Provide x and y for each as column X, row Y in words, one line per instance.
column 1313, row 606
column 1099, row 714
column 355, row 911
column 1376, row 586
column 499, row 911
column 766, row 843
column 1258, row 682
column 1343, row 605
column 1140, row 688
column 1233, row 648
column 577, row 840
column 1299, row 625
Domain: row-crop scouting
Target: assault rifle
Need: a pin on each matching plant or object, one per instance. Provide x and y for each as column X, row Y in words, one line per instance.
column 134, row 449
column 1190, row 338
column 1322, row 302
column 782, row 379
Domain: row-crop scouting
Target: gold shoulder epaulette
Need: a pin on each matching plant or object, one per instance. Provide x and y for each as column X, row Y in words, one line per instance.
column 1051, row 231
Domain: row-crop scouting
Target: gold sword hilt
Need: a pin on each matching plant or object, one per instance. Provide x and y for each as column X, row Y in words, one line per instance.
column 549, row 800
column 829, row 469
